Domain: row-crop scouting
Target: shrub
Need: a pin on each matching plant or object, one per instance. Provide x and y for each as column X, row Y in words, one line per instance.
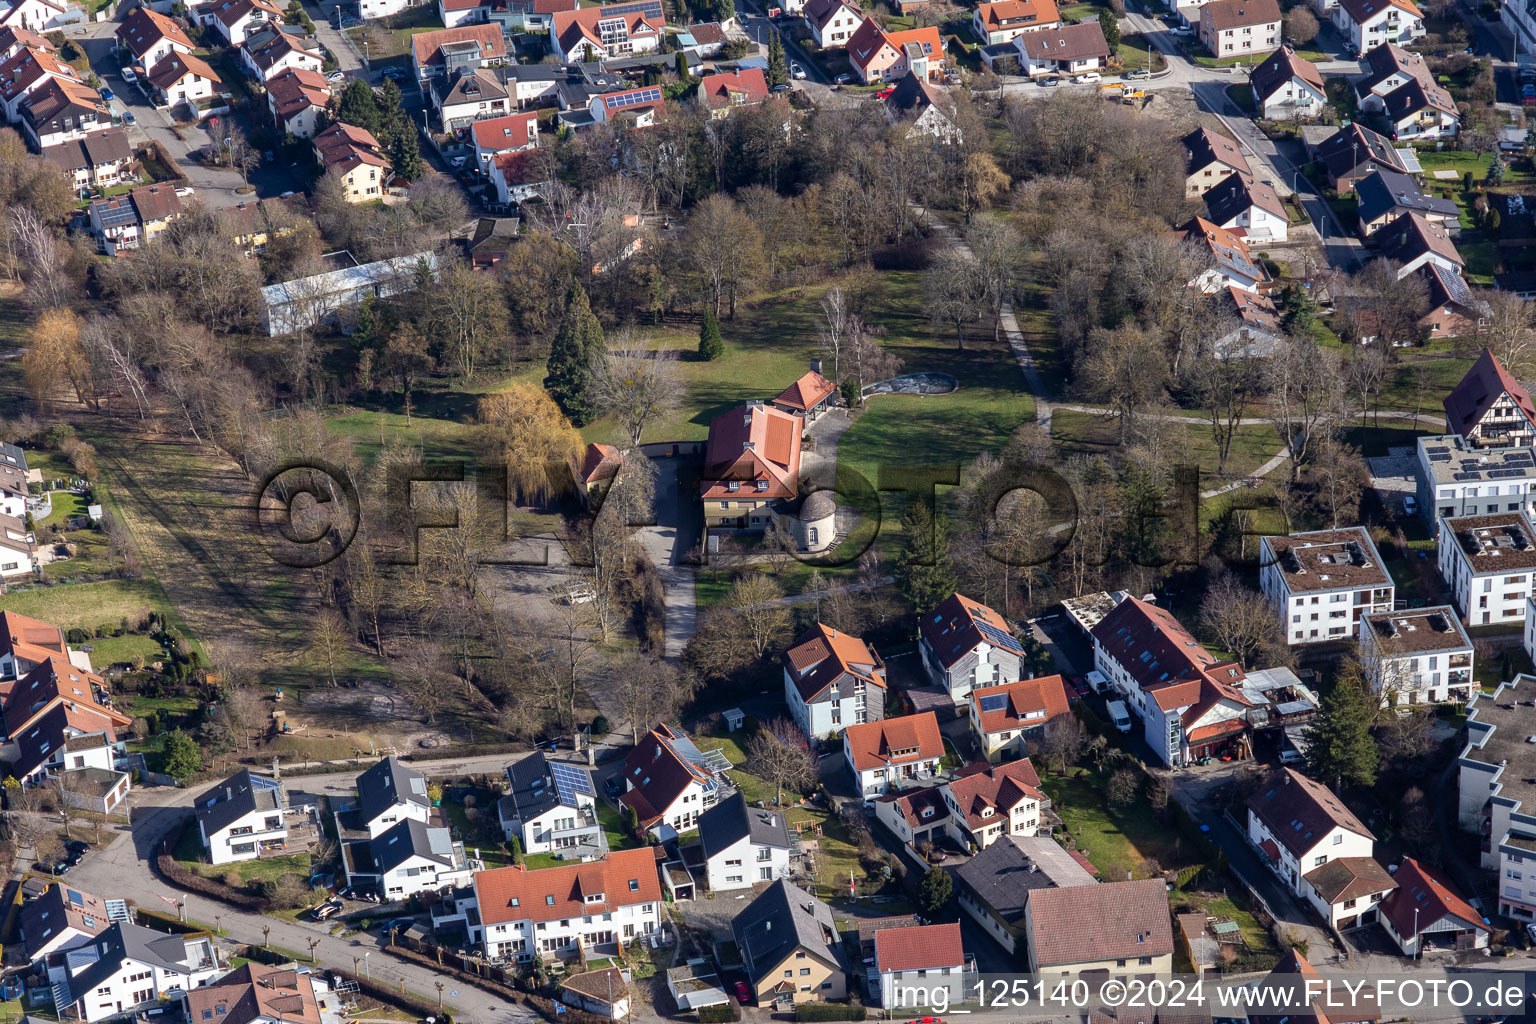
column 600, row 725
column 719, row 1014
column 76, row 635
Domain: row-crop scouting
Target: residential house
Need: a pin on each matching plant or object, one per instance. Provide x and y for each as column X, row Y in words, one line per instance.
column 61, row 918
column 1005, row 718
column 1369, row 23
column 27, row 643
column 507, row 134
column 1340, row 1008
column 1299, row 825
column 514, row 16
column 1353, row 152
column 387, row 793
column 1258, row 330
column 1389, row 67
column 354, row 156
column 62, row 110
column 518, row 177
column 407, row 858
column 751, row 460
column 1191, row 705
column 603, row 992
column 551, row 807
column 270, row 51
column 303, row 302
column 149, row 37
column 599, row 465
column 100, row 160
column 1494, row 791
column 256, row 994
column 18, row 548
column 1348, row 891
column 241, row 818
column 128, row 967
column 1417, row 656
column 1490, row 408
column 370, row 10
column 880, row 56
column 708, row 38
column 14, row 39
column 916, row 964
column 236, row 19
column 1001, row 20
column 1321, row 583
column 466, row 96
column 1488, row 563
column 39, row 15
column 883, row 755
column 1455, row 478
column 551, row 912
column 1426, row 911
column 1233, row 265
column 994, row 887
column 832, row 22
column 810, row 395
column 182, row 78
column 493, row 239
column 987, row 802
column 1401, row 87
column 637, row 108
column 790, row 947
column 1521, row 23
column 726, row 91
column 1067, row 50
column 53, row 704
column 1232, row 28
column 1209, row 158
column 132, row 221
column 929, row 110
column 1384, row 195
column 832, row 680
column 668, row 782
column 742, row 846
column 296, row 97
column 914, row 816
column 1422, row 110
column 25, row 72
column 964, row 645
column 1285, row 86
column 253, row 225
column 1241, row 203
column 600, row 33
column 1121, row 929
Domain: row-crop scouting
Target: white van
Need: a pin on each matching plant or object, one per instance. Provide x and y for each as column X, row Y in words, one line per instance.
column 1099, row 681
column 1119, row 715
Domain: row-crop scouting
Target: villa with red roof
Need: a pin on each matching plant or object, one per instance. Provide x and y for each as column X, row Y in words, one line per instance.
column 150, row 37
column 927, row 958
column 752, row 459
column 666, row 782
column 549, row 912
column 880, row 56
column 988, row 802
column 832, row 680
column 725, row 91
column 573, row 35
column 1004, row 718
column 1190, row 704
column 964, row 644
column 883, row 755
column 1490, row 408
column 296, row 97
column 810, row 396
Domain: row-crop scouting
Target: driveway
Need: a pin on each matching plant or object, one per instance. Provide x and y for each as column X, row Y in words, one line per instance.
column 670, row 543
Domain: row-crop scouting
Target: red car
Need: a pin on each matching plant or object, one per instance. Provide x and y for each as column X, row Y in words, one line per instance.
column 884, row 93
column 742, row 992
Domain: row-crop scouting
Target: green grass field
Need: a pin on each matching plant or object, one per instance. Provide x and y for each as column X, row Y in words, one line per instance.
column 1081, row 432
column 88, row 605
column 66, row 505
column 1116, row 841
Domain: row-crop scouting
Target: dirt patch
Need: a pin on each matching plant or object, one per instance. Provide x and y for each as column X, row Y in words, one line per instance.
column 338, row 714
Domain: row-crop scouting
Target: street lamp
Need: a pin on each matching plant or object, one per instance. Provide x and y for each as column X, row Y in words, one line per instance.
column 367, row 968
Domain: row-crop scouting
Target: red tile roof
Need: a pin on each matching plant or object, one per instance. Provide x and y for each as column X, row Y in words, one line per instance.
column 1299, row 812
column 1425, row 894
column 514, row 131
column 809, row 391
column 822, row 655
column 1030, row 704
column 294, row 90
column 26, row 66
column 995, row 791
column 623, row 878
column 870, row 39
column 748, row 445
column 143, row 28
column 571, row 27
column 598, row 462
column 425, row 45
column 1009, row 13
column 177, row 65
column 958, row 625
column 720, row 90
column 659, row 775
column 56, row 682
column 1470, row 399
column 912, row 802
column 921, row 948
column 894, row 741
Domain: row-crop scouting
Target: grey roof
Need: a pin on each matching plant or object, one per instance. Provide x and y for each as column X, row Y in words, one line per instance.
column 533, row 789
column 387, row 783
column 125, row 942
column 1385, row 191
column 780, row 921
column 1452, row 460
column 407, row 838
column 234, row 798
column 730, row 821
column 1005, row 873
column 13, row 456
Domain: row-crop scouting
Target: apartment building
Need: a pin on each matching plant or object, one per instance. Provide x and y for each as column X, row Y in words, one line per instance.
column 1417, row 656
column 1489, row 565
column 1321, row 583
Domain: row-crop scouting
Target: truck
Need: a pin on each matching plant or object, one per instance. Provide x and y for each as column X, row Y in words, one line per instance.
column 1119, row 715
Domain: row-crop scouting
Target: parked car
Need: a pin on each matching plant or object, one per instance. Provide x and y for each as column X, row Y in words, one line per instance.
column 336, row 76
column 1050, row 81
column 796, row 71
column 1410, row 505
column 843, row 79
column 1087, row 77
column 77, row 846
column 1182, row 30
column 129, row 76
column 1138, row 73
column 885, row 93
column 326, row 909
column 128, row 117
column 743, row 993
column 781, row 87
column 106, row 93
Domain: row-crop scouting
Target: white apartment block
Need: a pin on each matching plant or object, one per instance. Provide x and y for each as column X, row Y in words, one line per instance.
column 1454, row 477
column 1321, row 583
column 1418, row 656
column 1497, row 797
column 1489, row 565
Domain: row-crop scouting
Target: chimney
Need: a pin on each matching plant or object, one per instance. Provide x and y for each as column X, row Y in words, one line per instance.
column 816, row 366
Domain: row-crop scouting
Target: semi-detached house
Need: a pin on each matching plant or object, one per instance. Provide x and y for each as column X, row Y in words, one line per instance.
column 988, row 802
column 1232, row 28
column 832, row 680
column 888, row 754
column 1209, row 157
column 995, row 886
column 129, row 967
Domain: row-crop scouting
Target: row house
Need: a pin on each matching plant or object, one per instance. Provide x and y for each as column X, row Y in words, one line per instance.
column 127, row 968
column 133, row 221
column 1496, row 800
column 1385, row 195
column 1002, row 20
column 100, row 160
column 1321, row 583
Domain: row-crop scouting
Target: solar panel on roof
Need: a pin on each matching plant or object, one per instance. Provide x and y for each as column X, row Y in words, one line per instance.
column 1501, row 474
column 1439, row 456
column 996, row 702
column 649, row 9
column 639, row 97
column 998, row 637
column 569, row 781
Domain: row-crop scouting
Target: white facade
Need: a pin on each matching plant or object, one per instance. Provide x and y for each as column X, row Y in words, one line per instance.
column 1314, row 612
column 1418, row 676
column 370, row 9
column 1259, row 224
column 1390, row 24
column 1331, row 845
column 509, row 939
column 828, row 717
column 838, row 29
column 899, row 988
column 1294, row 98
column 1485, row 591
column 134, row 982
column 877, row 781
column 422, row 874
column 744, row 864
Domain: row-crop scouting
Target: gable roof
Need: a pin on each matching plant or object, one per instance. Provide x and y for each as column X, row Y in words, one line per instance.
column 59, row 96
column 294, row 90
column 177, row 65
column 869, row 39
column 1026, row 704
column 749, row 445
column 55, row 682
column 389, row 783
column 1411, row 98
column 598, row 461
column 28, row 65
column 913, row 95
column 96, row 149
column 1342, row 1010
column 1005, row 14
column 1238, row 192
column 1426, row 895
column 1110, row 921
column 731, row 820
column 819, row 12
column 426, row 47
column 1011, row 870
column 1350, row 878
column 144, row 27
column 234, row 798
column 1229, row 14
column 1362, row 11
column 958, row 625
column 812, row 388
column 781, row 921
column 1299, row 812
column 59, row 907
column 255, row 992
column 1350, row 148
column 1230, row 252
column 411, row 837
column 267, row 47
column 1068, row 42
column 572, row 27
column 1157, row 651
column 920, row 948
column 1476, row 392
column 823, row 655
column 911, row 803
column 1385, row 60
column 1384, row 190
column 893, row 741
column 659, row 772
column 14, row 36
column 467, row 85
column 510, row 131
column 1413, row 235
column 343, row 147
column 984, row 795
column 122, row 942
column 1281, row 67
column 1203, row 147
column 623, row 878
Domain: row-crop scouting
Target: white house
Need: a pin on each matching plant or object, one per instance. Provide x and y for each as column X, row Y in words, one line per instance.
column 1248, row 203
column 987, row 803
column 1369, row 23
column 994, row 886
column 466, row 96
column 551, row 806
column 1347, row 891
column 387, row 793
column 296, row 98
column 1321, row 583
column 1002, row 20
column 18, row 548
column 518, row 177
column 149, row 37
column 368, row 10
column 1487, row 563
column 269, row 52
column 668, row 782
column 832, row 680
column 832, row 22
column 916, row 964
column 604, row 34
column 240, row 817
column 182, row 78
column 964, row 644
column 1209, row 158
column 236, row 19
column 1231, row 28
column 1417, row 656
column 885, row 755
column 544, row 913
column 1425, row 911
column 497, row 135
column 1300, row 825
column 914, row 815
column 742, row 846
column 408, row 858
column 1285, row 86
column 1066, row 49
column 1232, row 263
column 127, row 967
column 1005, row 718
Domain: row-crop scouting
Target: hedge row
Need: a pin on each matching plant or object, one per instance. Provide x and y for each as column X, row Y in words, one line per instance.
column 719, row 1014
column 539, row 1003
column 180, row 877
column 828, row 1011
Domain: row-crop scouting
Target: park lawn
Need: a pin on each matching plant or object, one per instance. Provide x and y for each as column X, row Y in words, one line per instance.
column 370, row 429
column 1081, row 432
column 1116, row 841
column 66, row 505
column 1442, row 371
column 89, row 605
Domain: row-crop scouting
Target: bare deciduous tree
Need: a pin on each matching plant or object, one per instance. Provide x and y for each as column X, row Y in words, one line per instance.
column 637, row 385
column 779, row 755
column 1240, row 620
